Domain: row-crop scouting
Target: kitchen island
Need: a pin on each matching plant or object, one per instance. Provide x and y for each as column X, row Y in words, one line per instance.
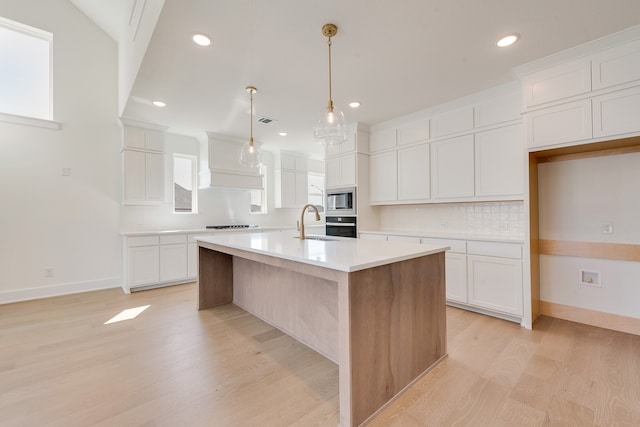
column 377, row 309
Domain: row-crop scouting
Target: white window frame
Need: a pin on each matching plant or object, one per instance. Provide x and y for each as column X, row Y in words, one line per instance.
column 263, row 172
column 46, row 122
column 194, row 183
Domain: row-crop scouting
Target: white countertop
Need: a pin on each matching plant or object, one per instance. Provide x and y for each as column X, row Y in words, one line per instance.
column 343, row 254
column 450, row 235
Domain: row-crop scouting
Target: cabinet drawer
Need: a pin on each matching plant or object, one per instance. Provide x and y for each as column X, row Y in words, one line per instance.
column 173, row 239
column 142, row 241
column 502, row 250
column 457, row 246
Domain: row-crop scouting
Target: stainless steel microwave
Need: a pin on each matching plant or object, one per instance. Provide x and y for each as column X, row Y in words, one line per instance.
column 341, row 201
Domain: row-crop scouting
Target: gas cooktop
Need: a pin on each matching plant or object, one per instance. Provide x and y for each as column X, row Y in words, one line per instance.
column 224, row 227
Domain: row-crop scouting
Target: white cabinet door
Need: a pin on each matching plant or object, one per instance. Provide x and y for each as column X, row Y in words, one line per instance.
column 341, row 171
column 500, row 160
column 456, row 277
column 414, row 176
column 453, row 168
column 302, row 189
column 563, row 123
column 495, row 283
column 135, row 177
column 285, row 196
column 143, row 265
column 413, row 132
column 192, row 260
column 558, row 82
column 143, row 177
column 452, row 122
column 154, row 177
column 616, row 113
column 383, row 177
column 617, row 65
column 173, row 262
column 382, row 139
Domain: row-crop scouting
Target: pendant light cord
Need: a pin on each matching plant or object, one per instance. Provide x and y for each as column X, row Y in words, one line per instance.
column 330, row 95
column 251, row 117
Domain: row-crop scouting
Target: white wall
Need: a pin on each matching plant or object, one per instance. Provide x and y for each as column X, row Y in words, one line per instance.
column 576, row 198
column 47, row 220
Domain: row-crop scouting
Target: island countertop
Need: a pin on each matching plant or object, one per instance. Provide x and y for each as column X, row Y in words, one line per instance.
column 343, row 254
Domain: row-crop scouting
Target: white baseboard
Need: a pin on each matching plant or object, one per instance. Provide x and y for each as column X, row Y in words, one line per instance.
column 57, row 290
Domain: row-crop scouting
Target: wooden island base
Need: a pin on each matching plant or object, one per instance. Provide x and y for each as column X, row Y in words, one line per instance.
column 384, row 326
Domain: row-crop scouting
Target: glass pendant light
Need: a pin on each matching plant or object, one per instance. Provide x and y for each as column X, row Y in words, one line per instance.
column 330, row 128
column 250, row 155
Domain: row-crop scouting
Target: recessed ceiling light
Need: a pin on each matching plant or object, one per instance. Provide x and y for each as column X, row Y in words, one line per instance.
column 508, row 40
column 201, row 39
column 159, row 104
column 354, row 104
column 283, row 134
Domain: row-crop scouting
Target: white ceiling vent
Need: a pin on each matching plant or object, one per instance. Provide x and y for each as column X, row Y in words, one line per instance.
column 266, row 120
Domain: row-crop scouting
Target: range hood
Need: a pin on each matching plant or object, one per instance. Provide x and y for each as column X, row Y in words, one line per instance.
column 220, row 165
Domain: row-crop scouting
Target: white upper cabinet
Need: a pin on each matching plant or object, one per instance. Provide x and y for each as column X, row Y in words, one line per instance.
column 452, row 168
column 498, row 110
column 291, row 180
column 143, row 139
column 417, row 131
column 414, row 177
column 617, row 65
column 341, row 171
column 142, row 166
column 452, row 122
column 382, row 139
column 562, row 123
column 383, row 177
column 617, row 112
column 584, row 100
column 558, row 82
column 499, row 162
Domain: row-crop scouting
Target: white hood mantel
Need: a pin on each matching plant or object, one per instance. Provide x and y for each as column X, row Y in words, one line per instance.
column 220, row 165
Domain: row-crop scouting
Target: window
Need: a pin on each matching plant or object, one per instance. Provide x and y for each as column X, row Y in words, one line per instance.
column 316, row 190
column 259, row 197
column 185, row 184
column 25, row 70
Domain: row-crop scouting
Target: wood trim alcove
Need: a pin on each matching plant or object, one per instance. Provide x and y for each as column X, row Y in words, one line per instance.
column 618, row 251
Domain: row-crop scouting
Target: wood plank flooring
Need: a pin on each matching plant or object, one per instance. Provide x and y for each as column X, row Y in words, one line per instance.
column 60, row 365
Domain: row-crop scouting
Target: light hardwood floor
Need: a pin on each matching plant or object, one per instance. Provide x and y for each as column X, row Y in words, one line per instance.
column 61, row 365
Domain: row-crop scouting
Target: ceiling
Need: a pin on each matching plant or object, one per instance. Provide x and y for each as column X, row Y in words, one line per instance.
column 394, row 57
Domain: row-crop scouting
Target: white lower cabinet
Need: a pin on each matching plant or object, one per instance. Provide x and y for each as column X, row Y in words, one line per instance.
column 192, row 260
column 456, row 277
column 173, row 257
column 156, row 260
column 495, row 284
column 143, row 262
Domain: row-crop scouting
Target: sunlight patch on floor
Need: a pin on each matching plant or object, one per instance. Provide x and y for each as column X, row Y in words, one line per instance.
column 128, row 314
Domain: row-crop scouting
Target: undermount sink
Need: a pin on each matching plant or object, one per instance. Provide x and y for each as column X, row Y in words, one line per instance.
column 324, row 238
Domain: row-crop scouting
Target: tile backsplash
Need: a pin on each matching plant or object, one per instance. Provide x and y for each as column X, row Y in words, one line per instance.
column 492, row 218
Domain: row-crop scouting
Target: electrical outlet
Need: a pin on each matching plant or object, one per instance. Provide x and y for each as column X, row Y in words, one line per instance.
column 48, row 272
column 590, row 278
column 606, row 228
column 444, row 225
